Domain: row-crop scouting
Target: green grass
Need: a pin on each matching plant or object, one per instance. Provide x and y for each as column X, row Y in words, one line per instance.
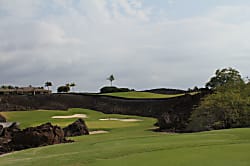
column 140, row 95
column 131, row 143
column 34, row 118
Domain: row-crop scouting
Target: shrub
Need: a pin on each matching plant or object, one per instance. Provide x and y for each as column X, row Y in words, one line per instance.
column 111, row 89
column 63, row 89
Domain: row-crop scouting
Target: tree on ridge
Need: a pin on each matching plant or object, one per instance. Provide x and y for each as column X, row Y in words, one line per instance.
column 48, row 84
column 111, row 78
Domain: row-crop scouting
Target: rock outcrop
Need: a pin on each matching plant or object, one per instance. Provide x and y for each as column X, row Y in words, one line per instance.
column 12, row 138
column 6, row 134
column 176, row 117
column 172, row 113
column 45, row 134
column 7, row 129
column 76, row 129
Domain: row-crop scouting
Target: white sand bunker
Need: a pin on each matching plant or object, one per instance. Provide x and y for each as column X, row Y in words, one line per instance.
column 98, row 132
column 70, row 116
column 123, row 120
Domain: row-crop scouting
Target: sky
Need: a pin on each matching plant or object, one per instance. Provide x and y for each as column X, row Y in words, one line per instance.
column 144, row 43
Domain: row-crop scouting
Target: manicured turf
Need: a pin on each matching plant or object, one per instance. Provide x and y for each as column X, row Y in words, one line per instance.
column 140, row 95
column 34, row 118
column 131, row 143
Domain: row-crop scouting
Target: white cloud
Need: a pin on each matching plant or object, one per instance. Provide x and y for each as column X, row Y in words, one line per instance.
column 171, row 2
column 20, row 9
column 231, row 14
column 87, row 41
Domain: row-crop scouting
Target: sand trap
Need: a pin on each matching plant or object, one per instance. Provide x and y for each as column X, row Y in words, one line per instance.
column 70, row 116
column 123, row 120
column 98, row 132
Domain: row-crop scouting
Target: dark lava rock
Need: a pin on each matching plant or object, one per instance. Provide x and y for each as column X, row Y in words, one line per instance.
column 75, row 129
column 45, row 134
column 7, row 129
column 1, row 130
column 4, row 146
column 12, row 138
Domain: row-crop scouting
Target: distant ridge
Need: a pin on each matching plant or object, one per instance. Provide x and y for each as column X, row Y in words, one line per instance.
column 165, row 91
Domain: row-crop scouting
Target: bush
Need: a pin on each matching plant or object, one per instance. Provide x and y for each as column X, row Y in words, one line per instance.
column 63, row 89
column 112, row 89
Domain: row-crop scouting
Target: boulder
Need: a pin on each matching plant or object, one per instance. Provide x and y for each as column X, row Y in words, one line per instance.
column 75, row 129
column 45, row 134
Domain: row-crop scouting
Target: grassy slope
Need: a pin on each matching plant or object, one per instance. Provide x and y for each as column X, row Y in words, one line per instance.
column 131, row 143
column 140, row 95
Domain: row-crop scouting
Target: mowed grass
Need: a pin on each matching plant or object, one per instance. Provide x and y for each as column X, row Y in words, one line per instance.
column 140, row 95
column 131, row 143
column 37, row 117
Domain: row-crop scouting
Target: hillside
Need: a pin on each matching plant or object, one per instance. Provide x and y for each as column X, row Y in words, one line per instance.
column 141, row 95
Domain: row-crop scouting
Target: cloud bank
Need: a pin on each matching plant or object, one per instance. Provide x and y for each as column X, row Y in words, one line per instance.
column 85, row 41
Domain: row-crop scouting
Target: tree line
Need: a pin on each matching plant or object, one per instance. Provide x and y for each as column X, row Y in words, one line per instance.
column 48, row 84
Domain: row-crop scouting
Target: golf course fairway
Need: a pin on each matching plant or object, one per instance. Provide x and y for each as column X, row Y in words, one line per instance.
column 129, row 143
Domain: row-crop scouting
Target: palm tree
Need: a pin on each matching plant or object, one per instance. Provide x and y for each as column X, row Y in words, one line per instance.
column 48, row 84
column 72, row 85
column 111, row 78
column 68, row 85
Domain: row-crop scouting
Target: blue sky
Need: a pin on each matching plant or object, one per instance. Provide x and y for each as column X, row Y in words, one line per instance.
column 144, row 43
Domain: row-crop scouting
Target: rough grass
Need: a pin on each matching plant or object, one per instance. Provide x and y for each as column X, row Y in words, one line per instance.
column 132, row 143
column 140, row 95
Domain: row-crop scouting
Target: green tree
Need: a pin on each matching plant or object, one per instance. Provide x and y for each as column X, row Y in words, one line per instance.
column 72, row 85
column 11, row 87
column 111, row 78
column 68, row 84
column 247, row 80
column 48, row 84
column 63, row 89
column 224, row 76
column 4, row 87
column 227, row 107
